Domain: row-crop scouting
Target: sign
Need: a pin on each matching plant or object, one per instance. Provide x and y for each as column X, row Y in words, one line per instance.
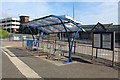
column 16, row 38
column 103, row 40
column 24, row 37
column 97, row 40
column 29, row 42
column 106, row 41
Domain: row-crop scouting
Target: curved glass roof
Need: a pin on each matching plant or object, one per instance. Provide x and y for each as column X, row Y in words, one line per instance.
column 53, row 24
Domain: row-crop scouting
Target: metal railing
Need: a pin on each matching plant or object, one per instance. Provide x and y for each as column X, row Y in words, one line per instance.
column 82, row 48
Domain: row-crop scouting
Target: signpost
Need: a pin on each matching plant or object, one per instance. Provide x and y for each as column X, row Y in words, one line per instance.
column 104, row 40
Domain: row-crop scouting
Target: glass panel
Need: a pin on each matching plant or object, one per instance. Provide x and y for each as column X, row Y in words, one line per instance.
column 46, row 30
column 72, row 26
column 54, row 29
column 61, row 27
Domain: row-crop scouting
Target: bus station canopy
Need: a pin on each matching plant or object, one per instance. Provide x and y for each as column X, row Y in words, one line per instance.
column 54, row 24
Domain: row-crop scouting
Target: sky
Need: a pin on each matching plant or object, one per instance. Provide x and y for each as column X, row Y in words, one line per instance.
column 86, row 12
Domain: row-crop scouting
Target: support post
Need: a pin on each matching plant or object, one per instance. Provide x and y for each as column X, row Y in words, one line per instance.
column 96, row 53
column 55, row 45
column 32, row 34
column 47, row 44
column 70, row 45
column 60, row 35
column 92, row 46
column 22, row 42
column 74, row 47
column 92, row 54
column 113, row 49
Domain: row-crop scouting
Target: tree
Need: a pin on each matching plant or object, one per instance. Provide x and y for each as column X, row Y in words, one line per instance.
column 1, row 27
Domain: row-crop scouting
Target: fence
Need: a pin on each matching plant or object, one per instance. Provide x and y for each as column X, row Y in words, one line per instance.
column 19, row 37
column 82, row 48
column 103, row 55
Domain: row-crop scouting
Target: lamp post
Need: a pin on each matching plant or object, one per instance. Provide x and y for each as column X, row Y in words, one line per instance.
column 73, row 10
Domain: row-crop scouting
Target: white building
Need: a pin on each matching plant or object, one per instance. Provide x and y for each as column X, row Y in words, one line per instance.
column 10, row 24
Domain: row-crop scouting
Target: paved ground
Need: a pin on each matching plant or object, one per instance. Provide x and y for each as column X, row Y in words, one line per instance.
column 8, row 69
column 74, row 70
column 46, row 69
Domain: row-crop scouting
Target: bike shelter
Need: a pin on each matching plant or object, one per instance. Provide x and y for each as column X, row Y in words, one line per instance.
column 55, row 24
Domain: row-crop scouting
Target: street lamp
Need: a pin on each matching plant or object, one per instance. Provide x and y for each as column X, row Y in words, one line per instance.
column 73, row 10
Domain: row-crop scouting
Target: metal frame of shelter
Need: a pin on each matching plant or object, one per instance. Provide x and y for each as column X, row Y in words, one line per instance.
column 44, row 27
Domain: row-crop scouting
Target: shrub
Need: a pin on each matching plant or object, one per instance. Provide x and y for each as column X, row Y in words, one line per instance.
column 3, row 34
